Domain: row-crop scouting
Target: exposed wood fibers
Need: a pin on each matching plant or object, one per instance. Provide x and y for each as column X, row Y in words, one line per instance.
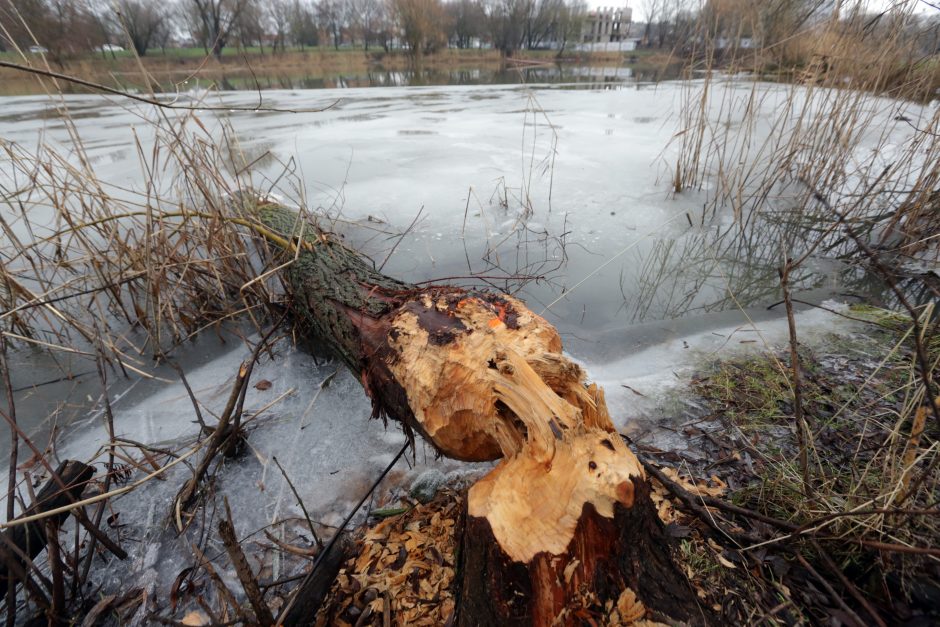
column 502, row 388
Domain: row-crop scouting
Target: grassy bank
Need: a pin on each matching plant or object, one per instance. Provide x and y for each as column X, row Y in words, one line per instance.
column 865, row 524
column 311, row 67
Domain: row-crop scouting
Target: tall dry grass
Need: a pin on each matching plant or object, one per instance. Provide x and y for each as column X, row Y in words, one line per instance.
column 840, row 160
column 84, row 260
column 849, row 128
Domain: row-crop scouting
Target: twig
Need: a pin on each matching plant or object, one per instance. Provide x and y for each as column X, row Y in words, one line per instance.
column 57, row 479
column 20, row 546
column 887, row 546
column 57, row 612
column 189, row 391
column 14, row 435
column 801, row 428
column 18, row 570
column 101, row 497
column 290, row 548
column 339, row 532
column 888, row 276
column 403, row 235
column 829, row 309
column 848, row 585
column 691, row 502
column 225, row 593
column 11, row 477
column 835, row 596
column 300, row 502
column 243, row 570
column 223, row 431
column 920, row 351
column 110, row 468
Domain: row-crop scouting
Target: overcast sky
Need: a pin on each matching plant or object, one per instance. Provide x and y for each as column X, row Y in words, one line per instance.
column 873, row 5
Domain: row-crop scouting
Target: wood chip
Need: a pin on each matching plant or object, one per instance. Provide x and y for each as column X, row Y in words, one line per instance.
column 403, row 574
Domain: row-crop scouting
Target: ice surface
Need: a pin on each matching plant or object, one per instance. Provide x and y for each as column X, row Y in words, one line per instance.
column 319, row 432
column 595, row 165
column 591, row 164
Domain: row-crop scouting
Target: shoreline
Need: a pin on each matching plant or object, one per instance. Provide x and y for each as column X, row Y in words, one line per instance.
column 310, row 68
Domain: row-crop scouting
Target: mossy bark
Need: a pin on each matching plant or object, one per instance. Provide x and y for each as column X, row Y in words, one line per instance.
column 342, row 303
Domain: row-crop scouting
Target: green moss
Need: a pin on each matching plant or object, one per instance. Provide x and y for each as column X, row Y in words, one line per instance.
column 859, row 393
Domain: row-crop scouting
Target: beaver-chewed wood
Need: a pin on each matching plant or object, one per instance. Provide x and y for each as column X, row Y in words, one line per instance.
column 563, row 527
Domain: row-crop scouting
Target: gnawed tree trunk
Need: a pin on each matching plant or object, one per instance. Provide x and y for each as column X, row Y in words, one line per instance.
column 563, row 527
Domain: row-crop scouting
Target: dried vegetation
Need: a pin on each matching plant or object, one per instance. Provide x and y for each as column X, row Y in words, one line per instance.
column 830, row 461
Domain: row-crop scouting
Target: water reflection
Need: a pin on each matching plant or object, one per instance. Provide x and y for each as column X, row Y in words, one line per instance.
column 580, row 76
column 575, row 75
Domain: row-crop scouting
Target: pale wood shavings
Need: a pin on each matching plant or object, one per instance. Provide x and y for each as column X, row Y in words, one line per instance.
column 629, row 609
column 666, row 505
column 403, row 573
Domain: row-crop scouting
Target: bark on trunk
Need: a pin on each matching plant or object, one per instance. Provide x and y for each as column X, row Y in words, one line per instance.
column 29, row 539
column 563, row 528
column 615, row 570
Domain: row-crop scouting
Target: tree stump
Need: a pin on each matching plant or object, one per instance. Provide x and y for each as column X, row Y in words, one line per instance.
column 563, row 529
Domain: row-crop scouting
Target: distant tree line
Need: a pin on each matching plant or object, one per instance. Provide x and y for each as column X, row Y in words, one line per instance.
column 682, row 25
column 67, row 27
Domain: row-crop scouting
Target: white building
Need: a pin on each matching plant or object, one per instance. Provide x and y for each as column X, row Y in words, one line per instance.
column 606, row 25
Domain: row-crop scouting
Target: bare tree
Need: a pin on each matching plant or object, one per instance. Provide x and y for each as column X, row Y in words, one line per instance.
column 569, row 23
column 250, row 26
column 539, row 21
column 280, row 13
column 303, row 24
column 141, row 21
column 466, row 22
column 351, row 19
column 330, row 17
column 506, row 23
column 62, row 27
column 422, row 23
column 211, row 22
column 374, row 21
column 18, row 17
column 651, row 11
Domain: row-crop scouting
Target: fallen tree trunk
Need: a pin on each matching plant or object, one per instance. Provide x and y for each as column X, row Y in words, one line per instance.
column 563, row 528
column 22, row 543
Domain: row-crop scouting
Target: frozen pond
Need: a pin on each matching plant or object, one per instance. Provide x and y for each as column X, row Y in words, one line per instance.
column 571, row 185
column 583, row 175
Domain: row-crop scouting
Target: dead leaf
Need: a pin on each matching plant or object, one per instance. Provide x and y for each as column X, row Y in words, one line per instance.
column 179, row 585
column 263, row 385
column 195, row 618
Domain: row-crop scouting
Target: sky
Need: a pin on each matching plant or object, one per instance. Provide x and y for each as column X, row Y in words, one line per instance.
column 873, row 5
